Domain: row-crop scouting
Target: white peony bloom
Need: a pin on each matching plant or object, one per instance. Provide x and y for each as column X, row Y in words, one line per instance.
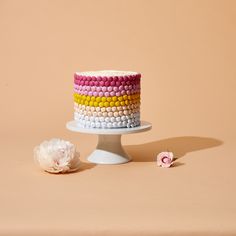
column 57, row 156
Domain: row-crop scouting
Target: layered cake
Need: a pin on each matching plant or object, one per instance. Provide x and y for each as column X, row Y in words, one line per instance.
column 107, row 99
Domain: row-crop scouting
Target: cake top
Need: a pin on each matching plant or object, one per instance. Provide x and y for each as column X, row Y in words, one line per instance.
column 106, row 73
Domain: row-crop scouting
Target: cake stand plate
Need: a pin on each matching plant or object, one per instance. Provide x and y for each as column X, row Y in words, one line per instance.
column 109, row 149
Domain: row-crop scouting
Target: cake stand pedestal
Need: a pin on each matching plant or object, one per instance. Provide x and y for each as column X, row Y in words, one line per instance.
column 109, row 149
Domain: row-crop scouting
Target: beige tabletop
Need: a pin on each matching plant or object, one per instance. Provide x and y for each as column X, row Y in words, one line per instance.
column 185, row 51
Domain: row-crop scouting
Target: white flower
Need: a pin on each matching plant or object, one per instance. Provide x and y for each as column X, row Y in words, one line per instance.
column 57, row 156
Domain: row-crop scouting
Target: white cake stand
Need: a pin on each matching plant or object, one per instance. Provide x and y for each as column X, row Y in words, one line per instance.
column 109, row 149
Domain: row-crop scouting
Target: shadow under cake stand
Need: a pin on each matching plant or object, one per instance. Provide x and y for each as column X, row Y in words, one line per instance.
column 109, row 149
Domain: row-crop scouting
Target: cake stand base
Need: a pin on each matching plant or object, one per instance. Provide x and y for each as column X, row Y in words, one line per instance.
column 109, row 149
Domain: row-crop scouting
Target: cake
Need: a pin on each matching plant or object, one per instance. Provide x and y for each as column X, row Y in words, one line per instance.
column 107, row 99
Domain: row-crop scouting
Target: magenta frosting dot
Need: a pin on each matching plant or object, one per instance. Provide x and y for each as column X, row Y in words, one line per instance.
column 106, row 94
column 96, row 83
column 130, row 86
column 107, row 83
column 113, row 83
column 116, row 78
column 100, row 94
column 81, row 82
column 99, row 78
column 120, row 79
column 112, row 93
column 126, row 78
column 109, row 89
column 104, row 79
column 110, row 79
column 118, row 83
column 86, row 82
column 101, row 83
column 91, row 83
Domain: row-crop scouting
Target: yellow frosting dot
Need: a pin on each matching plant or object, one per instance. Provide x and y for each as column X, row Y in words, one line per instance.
column 104, row 99
column 120, row 98
column 129, row 97
column 95, row 104
column 83, row 97
column 125, row 97
column 109, row 99
column 114, row 99
column 106, row 104
column 126, row 102
column 93, row 98
column 117, row 103
column 101, row 104
column 82, row 102
column 122, row 103
column 88, row 98
column 98, row 99
column 112, row 104
column 91, row 103
column 86, row 103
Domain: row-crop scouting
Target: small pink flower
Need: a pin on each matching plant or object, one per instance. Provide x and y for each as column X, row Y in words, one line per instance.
column 165, row 159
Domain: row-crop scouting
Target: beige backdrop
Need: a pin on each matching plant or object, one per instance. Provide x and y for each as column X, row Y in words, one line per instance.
column 186, row 52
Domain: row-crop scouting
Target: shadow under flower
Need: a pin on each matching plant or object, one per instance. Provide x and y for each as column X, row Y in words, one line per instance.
column 178, row 145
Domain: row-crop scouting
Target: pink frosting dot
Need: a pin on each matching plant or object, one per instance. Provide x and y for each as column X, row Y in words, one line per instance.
column 90, row 93
column 100, row 94
column 128, row 92
column 130, row 86
column 112, row 93
column 106, row 94
column 104, row 89
column 93, row 88
column 121, row 87
column 115, row 89
column 109, row 89
column 118, row 94
column 95, row 93
column 126, row 87
column 122, row 92
column 85, row 92
column 98, row 89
